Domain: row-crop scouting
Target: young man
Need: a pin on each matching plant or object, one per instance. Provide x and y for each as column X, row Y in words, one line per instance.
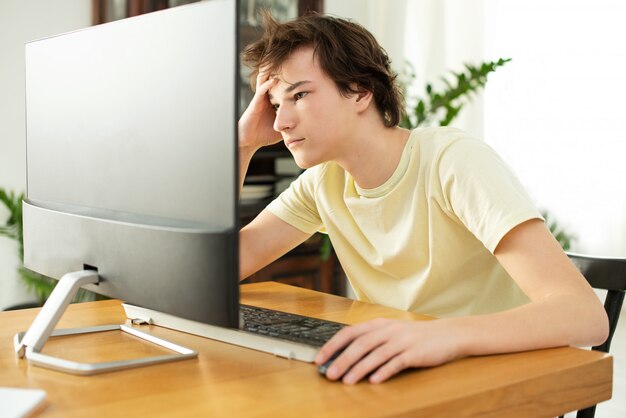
column 430, row 221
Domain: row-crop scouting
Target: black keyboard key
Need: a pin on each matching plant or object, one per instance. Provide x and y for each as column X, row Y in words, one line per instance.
column 297, row 328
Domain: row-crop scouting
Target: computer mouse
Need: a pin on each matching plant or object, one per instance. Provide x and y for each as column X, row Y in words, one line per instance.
column 323, row 368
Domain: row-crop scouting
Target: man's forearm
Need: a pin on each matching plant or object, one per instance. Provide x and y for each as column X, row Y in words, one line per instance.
column 558, row 320
column 245, row 156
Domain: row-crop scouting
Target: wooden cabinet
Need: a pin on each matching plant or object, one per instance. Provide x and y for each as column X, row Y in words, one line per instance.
column 304, row 267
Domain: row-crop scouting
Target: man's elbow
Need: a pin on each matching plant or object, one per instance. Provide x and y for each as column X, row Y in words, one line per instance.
column 599, row 329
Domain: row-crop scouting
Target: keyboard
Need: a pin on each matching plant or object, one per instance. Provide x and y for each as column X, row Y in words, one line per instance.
column 291, row 327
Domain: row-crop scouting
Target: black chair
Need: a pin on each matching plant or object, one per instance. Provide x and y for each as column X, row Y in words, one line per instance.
column 608, row 274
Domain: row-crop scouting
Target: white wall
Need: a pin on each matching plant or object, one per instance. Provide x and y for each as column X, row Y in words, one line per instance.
column 22, row 21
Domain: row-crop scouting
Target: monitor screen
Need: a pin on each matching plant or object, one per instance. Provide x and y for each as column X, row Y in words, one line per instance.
column 132, row 159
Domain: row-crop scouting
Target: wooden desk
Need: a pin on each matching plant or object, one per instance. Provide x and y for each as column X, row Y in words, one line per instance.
column 230, row 381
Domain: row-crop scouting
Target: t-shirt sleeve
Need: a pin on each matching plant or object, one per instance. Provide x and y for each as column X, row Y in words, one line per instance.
column 482, row 191
column 297, row 206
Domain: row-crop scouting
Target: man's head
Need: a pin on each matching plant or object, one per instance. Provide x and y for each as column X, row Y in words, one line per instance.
column 345, row 51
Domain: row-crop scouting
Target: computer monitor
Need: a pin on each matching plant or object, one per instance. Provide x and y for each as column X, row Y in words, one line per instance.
column 132, row 159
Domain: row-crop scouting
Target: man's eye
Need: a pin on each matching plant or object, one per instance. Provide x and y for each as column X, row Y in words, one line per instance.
column 300, row 95
column 275, row 107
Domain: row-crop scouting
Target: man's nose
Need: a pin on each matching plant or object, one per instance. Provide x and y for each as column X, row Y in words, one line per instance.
column 284, row 119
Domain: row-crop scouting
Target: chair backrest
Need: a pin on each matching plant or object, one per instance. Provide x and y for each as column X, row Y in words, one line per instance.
column 608, row 273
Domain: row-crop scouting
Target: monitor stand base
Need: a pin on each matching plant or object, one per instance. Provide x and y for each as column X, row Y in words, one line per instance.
column 29, row 344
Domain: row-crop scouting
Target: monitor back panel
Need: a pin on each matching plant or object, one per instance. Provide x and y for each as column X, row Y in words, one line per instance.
column 137, row 116
column 131, row 159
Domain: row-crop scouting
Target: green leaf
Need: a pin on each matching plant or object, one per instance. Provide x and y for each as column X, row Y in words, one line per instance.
column 451, row 113
column 40, row 285
column 325, row 248
column 563, row 237
column 459, row 86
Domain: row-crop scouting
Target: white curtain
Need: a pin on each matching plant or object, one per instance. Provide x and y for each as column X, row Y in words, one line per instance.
column 440, row 37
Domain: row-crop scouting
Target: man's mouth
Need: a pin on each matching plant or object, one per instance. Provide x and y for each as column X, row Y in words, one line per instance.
column 289, row 142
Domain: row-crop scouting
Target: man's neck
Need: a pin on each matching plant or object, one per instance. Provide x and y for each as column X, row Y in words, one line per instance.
column 375, row 155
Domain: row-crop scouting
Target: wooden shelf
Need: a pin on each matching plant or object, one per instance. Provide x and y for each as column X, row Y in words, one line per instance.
column 302, row 266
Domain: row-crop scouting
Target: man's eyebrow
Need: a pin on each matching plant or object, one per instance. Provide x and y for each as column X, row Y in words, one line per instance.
column 295, row 85
column 291, row 87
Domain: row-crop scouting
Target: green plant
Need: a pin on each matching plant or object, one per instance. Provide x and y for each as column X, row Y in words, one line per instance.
column 441, row 107
column 40, row 285
column 13, row 225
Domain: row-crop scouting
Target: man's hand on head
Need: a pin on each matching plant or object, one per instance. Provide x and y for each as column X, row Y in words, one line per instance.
column 256, row 125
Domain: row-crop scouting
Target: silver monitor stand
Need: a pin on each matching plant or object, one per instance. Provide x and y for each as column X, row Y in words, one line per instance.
column 30, row 344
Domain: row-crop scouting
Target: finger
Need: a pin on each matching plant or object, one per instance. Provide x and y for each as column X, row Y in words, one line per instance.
column 260, row 100
column 338, row 341
column 358, row 349
column 262, row 78
column 263, row 88
column 394, row 366
column 372, row 361
column 345, row 336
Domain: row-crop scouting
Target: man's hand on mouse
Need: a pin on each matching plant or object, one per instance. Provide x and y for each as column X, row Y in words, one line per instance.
column 382, row 348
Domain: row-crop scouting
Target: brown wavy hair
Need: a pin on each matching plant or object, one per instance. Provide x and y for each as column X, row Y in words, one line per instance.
column 346, row 51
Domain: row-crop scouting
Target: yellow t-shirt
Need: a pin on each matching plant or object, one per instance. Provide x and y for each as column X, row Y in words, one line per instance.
column 423, row 241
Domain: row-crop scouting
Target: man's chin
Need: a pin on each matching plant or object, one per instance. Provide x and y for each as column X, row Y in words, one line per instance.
column 303, row 163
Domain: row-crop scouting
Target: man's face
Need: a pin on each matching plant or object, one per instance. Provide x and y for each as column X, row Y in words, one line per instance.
column 312, row 116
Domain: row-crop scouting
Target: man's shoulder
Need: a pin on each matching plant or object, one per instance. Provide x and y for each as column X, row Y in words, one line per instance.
column 324, row 175
column 435, row 142
column 441, row 136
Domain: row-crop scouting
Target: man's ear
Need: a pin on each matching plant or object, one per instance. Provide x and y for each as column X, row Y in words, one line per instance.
column 363, row 98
